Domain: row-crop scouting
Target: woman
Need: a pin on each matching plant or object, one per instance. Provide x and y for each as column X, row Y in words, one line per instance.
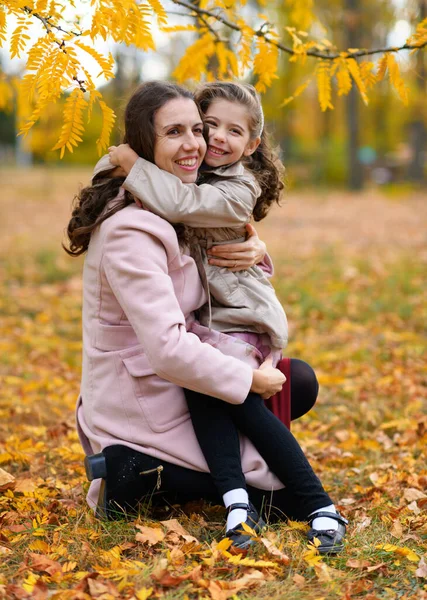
column 140, row 292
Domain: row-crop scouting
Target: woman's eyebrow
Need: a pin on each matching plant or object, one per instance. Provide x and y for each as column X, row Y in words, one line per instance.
column 165, row 127
column 171, row 125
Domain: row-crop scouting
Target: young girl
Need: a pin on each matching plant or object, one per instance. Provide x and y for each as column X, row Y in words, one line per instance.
column 240, row 180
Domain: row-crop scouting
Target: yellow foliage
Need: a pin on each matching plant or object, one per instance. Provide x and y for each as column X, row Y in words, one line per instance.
column 19, row 38
column 265, row 64
column 396, row 78
column 107, row 125
column 323, row 73
column 2, row 26
column 353, row 67
column 300, row 13
column 343, row 77
column 195, row 60
column 56, row 61
column 6, row 95
column 72, row 128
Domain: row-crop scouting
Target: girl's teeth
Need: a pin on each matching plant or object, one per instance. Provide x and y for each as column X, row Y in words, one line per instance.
column 219, row 152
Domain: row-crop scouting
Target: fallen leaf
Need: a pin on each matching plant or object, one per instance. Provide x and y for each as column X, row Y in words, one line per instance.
column 25, row 485
column 143, row 593
column 102, row 588
column 376, row 567
column 356, row 563
column 272, row 549
column 422, row 569
column 411, row 494
column 413, row 506
column 299, row 580
column 221, row 589
column 172, row 525
column 7, row 481
column 40, row 562
column 401, row 550
column 397, row 530
column 149, row 535
column 5, row 551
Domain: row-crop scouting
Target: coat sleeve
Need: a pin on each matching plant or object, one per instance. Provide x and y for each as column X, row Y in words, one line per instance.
column 136, row 267
column 228, row 203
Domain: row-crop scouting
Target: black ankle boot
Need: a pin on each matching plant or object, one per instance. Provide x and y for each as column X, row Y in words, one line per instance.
column 242, row 539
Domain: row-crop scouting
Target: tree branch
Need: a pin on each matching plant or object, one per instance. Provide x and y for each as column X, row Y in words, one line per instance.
column 325, row 55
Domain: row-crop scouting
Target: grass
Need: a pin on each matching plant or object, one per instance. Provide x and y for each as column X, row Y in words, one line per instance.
column 350, row 274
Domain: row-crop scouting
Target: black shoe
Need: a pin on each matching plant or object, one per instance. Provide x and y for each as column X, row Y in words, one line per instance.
column 243, row 539
column 331, row 540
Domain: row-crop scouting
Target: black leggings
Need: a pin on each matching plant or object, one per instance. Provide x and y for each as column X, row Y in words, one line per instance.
column 216, row 424
column 132, row 476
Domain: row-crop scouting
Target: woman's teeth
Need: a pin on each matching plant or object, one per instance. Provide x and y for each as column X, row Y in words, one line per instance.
column 187, row 162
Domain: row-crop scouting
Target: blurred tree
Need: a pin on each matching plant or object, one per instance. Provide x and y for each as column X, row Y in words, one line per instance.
column 229, row 32
column 418, row 127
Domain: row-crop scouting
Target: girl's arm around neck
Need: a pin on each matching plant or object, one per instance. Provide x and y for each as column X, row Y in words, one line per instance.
column 227, row 203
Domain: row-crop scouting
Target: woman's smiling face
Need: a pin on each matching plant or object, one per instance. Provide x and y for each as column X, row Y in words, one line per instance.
column 180, row 146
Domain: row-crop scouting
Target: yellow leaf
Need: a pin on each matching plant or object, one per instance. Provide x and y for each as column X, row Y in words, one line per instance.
column 401, row 550
column 323, row 73
column 143, row 593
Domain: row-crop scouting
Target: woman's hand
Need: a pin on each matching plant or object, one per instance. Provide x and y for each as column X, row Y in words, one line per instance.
column 267, row 380
column 238, row 257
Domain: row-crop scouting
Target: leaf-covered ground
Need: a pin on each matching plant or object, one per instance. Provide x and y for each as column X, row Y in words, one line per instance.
column 350, row 271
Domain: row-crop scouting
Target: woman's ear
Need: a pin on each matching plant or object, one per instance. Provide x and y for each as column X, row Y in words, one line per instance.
column 251, row 146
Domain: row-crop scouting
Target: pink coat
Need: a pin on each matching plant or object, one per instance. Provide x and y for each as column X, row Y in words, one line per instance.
column 140, row 349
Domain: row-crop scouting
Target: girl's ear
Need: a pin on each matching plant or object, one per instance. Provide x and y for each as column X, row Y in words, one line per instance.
column 251, row 146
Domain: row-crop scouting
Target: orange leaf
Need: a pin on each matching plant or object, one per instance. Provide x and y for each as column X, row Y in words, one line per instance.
column 40, row 562
column 149, row 535
column 272, row 549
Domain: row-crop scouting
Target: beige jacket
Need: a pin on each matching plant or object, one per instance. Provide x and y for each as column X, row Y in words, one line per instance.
column 217, row 212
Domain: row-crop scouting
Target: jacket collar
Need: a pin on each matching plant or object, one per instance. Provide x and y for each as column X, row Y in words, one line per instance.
column 234, row 170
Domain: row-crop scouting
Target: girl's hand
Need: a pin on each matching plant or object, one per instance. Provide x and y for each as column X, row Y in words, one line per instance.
column 122, row 156
column 267, row 380
column 238, row 257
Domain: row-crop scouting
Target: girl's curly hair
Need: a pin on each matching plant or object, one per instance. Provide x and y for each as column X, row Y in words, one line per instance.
column 264, row 163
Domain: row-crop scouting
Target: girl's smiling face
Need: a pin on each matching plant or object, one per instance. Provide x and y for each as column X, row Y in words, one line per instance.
column 229, row 133
column 180, row 146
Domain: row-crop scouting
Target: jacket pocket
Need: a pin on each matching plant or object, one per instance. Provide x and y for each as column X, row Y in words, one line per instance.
column 162, row 402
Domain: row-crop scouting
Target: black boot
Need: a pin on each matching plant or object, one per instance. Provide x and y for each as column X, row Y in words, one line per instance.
column 243, row 539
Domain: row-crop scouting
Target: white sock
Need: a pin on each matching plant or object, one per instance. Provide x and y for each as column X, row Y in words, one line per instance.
column 323, row 522
column 239, row 515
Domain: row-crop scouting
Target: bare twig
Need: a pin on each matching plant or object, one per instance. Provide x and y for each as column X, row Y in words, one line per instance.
column 202, row 14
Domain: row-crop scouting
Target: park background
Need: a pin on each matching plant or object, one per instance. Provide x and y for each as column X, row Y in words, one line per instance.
column 349, row 247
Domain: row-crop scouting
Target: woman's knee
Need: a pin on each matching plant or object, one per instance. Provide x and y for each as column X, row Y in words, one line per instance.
column 304, row 388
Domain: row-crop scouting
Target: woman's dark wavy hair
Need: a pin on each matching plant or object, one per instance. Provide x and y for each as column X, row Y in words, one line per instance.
column 264, row 162
column 93, row 204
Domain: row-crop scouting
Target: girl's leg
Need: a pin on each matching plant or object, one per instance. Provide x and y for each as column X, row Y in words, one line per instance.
column 304, row 388
column 219, row 441
column 283, row 454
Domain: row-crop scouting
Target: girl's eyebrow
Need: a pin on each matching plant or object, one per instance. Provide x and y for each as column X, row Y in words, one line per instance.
column 228, row 124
